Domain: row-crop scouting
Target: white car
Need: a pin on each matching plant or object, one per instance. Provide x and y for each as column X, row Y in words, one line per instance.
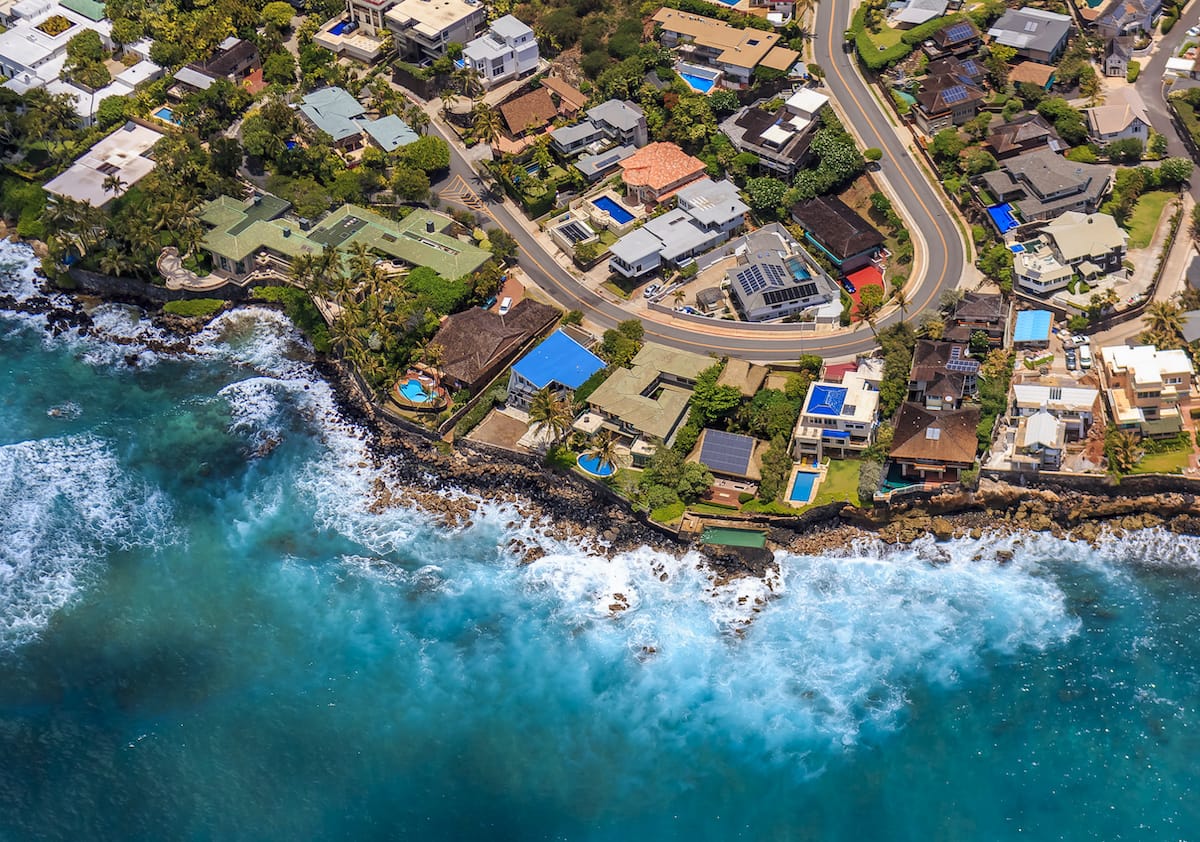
column 651, row 290
column 1193, row 32
column 1080, row 339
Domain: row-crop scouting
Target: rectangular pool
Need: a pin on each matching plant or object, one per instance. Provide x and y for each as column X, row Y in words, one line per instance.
column 167, row 116
column 802, row 487
column 612, row 208
column 727, row 537
column 699, row 85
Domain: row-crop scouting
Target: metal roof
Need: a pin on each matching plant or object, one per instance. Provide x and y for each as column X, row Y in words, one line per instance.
column 558, row 359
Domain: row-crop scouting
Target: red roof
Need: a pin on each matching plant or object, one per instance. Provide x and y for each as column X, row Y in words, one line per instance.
column 834, row 372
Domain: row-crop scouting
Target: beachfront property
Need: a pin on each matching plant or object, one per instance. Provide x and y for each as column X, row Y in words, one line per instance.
column 1043, row 185
column 1075, row 245
column 647, row 402
column 30, row 55
column 1075, row 406
column 1028, row 133
column 934, row 446
column 338, row 114
column 1122, row 117
column 235, row 60
column 729, row 456
column 1039, row 443
column 357, row 34
column 734, row 53
column 255, row 237
column 655, row 172
column 558, row 363
column 780, row 138
column 774, row 277
column 845, row 237
column 945, row 100
column 1148, row 389
column 707, row 213
column 477, row 344
column 422, row 29
column 978, row 312
column 943, row 374
column 838, row 416
column 124, row 154
column 1035, row 34
column 611, row 123
column 507, row 50
column 87, row 102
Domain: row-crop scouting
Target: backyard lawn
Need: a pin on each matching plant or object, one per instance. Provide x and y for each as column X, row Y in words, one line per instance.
column 1171, row 462
column 885, row 38
column 1145, row 217
column 840, row 483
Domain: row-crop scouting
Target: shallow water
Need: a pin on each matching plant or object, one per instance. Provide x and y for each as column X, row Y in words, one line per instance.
column 199, row 641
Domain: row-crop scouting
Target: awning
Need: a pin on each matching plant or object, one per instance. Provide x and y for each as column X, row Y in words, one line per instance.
column 834, row 434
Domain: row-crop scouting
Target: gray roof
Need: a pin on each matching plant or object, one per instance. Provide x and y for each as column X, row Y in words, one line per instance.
column 1191, row 326
column 1048, row 181
column 510, row 27
column 635, row 246
column 332, row 110
column 570, row 135
column 1031, row 29
column 193, row 77
column 596, row 165
column 920, row 11
column 390, row 132
column 623, row 116
column 713, row 202
column 678, row 233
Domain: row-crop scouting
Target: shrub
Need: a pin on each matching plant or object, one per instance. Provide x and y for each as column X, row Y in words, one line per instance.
column 1167, row 24
column 668, row 513
column 745, row 496
column 196, row 308
column 870, row 477
column 1131, row 72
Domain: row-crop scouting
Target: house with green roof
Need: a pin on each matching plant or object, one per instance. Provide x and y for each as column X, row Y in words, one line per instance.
column 257, row 235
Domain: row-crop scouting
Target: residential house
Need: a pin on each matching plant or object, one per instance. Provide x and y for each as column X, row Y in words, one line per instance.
column 1024, row 134
column 1089, row 246
column 529, row 112
column 934, row 446
column 338, row 114
column 123, row 155
column 956, row 39
column 1043, row 185
column 570, row 99
column 746, row 377
column 1076, row 407
column 257, row 237
column 917, row 12
column 1033, row 73
column 1031, row 329
column 236, row 60
column 422, row 29
column 477, row 344
column 507, row 50
column 1127, row 17
column 845, row 237
column 943, row 374
column 1039, row 443
column 359, row 32
column 611, row 122
column 707, row 214
column 1122, row 117
column 31, row 57
column 559, row 363
column 713, row 43
column 655, row 172
column 730, row 456
column 781, row 138
column 944, row 101
column 1035, row 34
column 978, row 311
column 1148, row 390
column 772, row 280
column 966, row 70
column 1118, row 52
column 647, row 402
column 840, row 416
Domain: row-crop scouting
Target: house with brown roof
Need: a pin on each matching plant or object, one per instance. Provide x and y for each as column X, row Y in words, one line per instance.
column 944, row 101
column 1032, row 73
column 570, row 99
column 978, row 311
column 956, row 39
column 934, row 446
column 656, row 171
column 714, row 43
column 1023, row 134
column 529, row 112
column 477, row 344
column 845, row 237
column 942, row 374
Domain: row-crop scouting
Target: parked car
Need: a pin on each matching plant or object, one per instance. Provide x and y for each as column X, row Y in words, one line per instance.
column 651, row 290
column 1072, row 360
column 1080, row 339
column 848, row 285
column 505, row 306
column 1193, row 32
column 1085, row 357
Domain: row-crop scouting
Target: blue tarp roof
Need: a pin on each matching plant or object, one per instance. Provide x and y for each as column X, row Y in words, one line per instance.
column 559, row 359
column 835, row 434
column 827, row 400
column 1032, row 326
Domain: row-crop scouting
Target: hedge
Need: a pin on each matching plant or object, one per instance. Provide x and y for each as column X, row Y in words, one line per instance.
column 925, row 31
column 194, row 307
column 1167, row 24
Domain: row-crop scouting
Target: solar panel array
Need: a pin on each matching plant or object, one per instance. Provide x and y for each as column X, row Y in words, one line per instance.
column 779, row 296
column 959, row 32
column 575, row 232
column 959, row 363
column 954, row 94
column 727, row 453
column 758, row 276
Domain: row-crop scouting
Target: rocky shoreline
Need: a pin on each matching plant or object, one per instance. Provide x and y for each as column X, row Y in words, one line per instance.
column 449, row 482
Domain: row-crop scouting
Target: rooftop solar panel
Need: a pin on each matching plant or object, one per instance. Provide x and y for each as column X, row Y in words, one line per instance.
column 727, row 453
column 959, row 32
column 955, row 94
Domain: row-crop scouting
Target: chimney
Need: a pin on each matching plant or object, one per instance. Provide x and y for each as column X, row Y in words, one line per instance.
column 287, row 231
column 258, row 198
column 429, row 226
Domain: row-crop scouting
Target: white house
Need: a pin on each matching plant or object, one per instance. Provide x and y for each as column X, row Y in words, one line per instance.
column 30, row 56
column 842, row 416
column 507, row 50
column 1122, row 117
column 1088, row 245
column 1076, row 407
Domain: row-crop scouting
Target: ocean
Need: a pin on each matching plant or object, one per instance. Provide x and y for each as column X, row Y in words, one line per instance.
column 206, row 633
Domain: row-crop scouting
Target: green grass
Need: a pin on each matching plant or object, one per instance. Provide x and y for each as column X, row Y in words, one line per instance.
column 840, row 484
column 668, row 514
column 1146, row 214
column 711, row 509
column 885, row 38
column 1172, row 462
column 617, row 289
column 194, row 307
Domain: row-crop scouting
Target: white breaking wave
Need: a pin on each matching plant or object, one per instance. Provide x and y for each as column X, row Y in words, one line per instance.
column 64, row 506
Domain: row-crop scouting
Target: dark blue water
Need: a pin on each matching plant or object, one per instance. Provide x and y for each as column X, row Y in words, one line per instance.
column 206, row 633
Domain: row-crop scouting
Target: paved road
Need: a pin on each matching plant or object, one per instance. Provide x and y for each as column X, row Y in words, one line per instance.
column 923, row 207
column 1150, row 85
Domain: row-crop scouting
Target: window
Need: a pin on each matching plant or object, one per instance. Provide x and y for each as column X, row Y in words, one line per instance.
column 497, row 66
column 1173, row 381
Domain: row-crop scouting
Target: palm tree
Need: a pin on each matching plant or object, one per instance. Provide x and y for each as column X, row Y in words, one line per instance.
column 603, row 448
column 1163, row 317
column 1123, row 449
column 485, row 122
column 548, row 411
column 416, row 118
column 116, row 262
column 447, row 96
column 901, row 298
column 114, row 184
column 434, row 353
column 679, row 295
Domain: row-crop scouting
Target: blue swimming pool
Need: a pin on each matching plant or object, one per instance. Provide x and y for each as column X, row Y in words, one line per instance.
column 339, row 27
column 592, row 465
column 167, row 116
column 613, row 209
column 415, row 392
column 802, row 487
column 1004, row 218
column 1016, row 248
column 699, row 84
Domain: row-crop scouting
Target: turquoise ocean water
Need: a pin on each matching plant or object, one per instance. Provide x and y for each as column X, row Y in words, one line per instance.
column 201, row 639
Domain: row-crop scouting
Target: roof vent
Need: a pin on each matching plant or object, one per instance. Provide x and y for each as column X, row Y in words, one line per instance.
column 287, row 232
column 258, row 198
column 429, row 226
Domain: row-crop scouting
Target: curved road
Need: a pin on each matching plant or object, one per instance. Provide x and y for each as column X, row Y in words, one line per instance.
column 919, row 203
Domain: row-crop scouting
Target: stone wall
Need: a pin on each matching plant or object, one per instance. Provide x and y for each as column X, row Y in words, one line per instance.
column 144, row 292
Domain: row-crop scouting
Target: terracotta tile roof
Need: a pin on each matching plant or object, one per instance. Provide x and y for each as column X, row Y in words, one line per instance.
column 659, row 165
column 572, row 98
column 939, row 438
column 533, row 109
column 1031, row 73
